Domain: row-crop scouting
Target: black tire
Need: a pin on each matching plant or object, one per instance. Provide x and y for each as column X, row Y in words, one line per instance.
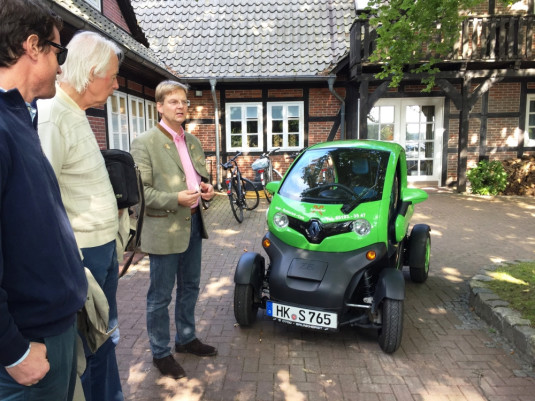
column 245, row 309
column 419, row 252
column 392, row 325
column 235, row 204
column 251, row 197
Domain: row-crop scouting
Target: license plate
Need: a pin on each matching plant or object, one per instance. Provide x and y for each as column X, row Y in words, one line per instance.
column 309, row 318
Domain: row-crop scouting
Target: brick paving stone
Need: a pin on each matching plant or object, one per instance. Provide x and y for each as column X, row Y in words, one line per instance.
column 447, row 352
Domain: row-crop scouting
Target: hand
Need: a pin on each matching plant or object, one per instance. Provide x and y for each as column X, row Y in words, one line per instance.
column 188, row 198
column 207, row 191
column 33, row 368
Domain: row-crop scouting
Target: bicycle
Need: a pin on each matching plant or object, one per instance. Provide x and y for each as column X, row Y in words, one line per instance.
column 242, row 193
column 264, row 167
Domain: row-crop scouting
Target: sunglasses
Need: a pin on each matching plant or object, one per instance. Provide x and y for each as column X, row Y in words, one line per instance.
column 62, row 54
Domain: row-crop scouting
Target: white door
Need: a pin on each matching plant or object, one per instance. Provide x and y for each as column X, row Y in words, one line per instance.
column 418, row 125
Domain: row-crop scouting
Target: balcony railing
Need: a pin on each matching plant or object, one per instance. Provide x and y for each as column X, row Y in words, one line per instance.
column 495, row 38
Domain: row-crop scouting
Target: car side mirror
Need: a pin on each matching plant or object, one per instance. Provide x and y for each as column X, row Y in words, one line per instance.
column 273, row 186
column 414, row 195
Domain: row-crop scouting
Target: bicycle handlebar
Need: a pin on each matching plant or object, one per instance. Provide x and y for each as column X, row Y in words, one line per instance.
column 228, row 164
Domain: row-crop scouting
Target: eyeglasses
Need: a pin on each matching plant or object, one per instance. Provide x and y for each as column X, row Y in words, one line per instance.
column 62, row 54
column 179, row 102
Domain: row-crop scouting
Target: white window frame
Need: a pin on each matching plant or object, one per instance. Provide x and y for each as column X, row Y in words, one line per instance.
column 527, row 140
column 137, row 123
column 244, row 133
column 151, row 114
column 95, row 4
column 285, row 133
column 122, row 122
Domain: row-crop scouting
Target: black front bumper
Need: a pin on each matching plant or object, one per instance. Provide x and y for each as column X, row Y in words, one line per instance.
column 321, row 280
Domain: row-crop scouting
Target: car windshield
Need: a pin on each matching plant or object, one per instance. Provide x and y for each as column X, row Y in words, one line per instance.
column 337, row 175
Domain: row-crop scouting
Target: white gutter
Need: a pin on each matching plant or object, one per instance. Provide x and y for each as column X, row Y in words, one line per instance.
column 216, row 122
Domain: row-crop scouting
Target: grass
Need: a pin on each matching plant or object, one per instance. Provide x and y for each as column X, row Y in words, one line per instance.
column 515, row 283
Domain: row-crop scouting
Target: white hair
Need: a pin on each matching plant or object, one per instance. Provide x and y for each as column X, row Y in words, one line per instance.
column 87, row 50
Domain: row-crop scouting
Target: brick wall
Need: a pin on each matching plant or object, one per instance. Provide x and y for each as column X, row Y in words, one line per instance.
column 111, row 10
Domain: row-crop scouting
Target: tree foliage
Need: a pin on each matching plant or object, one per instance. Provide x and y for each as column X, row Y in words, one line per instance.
column 410, row 31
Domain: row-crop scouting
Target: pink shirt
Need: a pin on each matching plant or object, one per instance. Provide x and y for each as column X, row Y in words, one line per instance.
column 193, row 179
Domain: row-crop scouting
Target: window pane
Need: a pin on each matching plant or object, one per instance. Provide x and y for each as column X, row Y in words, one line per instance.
column 114, row 106
column 235, row 127
column 387, row 114
column 235, row 113
column 276, row 126
column 293, row 111
column 252, row 141
column 387, row 133
column 252, row 112
column 373, row 131
column 412, row 167
column 122, row 108
column 276, row 112
column 373, row 117
column 293, row 140
column 413, row 131
column 133, row 108
column 235, row 141
column 115, row 124
column 426, row 167
column 293, row 126
column 532, row 120
column 532, row 106
column 252, row 127
column 276, row 140
column 532, row 133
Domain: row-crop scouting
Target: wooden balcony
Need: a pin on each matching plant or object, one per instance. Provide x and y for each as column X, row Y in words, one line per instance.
column 500, row 38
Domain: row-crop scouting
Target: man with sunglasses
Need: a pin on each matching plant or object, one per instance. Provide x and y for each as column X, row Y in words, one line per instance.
column 42, row 279
column 88, row 78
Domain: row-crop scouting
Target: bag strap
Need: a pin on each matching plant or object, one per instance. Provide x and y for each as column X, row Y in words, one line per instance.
column 137, row 236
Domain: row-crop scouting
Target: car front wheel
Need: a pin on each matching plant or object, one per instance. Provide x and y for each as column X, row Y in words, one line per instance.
column 245, row 309
column 392, row 325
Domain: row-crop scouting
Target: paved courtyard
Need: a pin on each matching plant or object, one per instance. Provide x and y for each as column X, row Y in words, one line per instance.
column 446, row 353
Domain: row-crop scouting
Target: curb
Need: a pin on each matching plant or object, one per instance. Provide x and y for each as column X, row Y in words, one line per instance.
column 497, row 314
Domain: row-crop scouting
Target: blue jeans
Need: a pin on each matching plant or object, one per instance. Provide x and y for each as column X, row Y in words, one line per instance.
column 164, row 269
column 101, row 381
column 58, row 383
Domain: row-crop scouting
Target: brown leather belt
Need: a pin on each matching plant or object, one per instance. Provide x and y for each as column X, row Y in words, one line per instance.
column 194, row 210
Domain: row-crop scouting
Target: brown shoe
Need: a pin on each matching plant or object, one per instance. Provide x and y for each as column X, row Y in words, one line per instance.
column 169, row 367
column 196, row 347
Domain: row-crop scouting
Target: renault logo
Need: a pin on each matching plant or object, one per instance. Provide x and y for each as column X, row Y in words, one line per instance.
column 314, row 230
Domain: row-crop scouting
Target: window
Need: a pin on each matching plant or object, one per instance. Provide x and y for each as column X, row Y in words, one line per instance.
column 285, row 125
column 118, row 121
column 128, row 116
column 529, row 132
column 244, row 126
column 151, row 113
column 136, row 114
column 94, row 3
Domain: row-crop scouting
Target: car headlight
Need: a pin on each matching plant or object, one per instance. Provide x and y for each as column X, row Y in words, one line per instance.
column 280, row 220
column 361, row 227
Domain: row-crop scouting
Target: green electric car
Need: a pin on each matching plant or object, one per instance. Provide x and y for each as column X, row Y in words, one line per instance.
column 338, row 238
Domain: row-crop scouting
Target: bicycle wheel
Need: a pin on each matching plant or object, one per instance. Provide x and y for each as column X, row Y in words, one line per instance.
column 235, row 204
column 251, row 198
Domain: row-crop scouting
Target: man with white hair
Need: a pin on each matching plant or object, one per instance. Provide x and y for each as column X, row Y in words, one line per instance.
column 88, row 78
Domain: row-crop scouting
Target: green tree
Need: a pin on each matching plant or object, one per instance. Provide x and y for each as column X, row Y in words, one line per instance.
column 410, row 31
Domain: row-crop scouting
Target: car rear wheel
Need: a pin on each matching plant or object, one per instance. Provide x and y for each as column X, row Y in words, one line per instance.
column 245, row 309
column 419, row 252
column 392, row 325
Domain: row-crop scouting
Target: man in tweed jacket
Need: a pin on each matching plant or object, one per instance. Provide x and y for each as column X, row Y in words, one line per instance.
column 173, row 169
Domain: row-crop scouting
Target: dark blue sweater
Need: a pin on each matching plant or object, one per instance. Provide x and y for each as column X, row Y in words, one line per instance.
column 42, row 279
